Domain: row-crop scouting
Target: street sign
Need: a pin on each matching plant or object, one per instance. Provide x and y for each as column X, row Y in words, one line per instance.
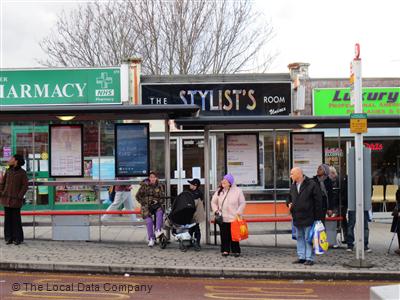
column 358, row 123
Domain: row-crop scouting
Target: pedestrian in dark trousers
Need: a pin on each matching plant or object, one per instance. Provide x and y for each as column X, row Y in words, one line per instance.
column 325, row 183
column 13, row 187
column 305, row 206
column 396, row 220
column 229, row 202
column 199, row 215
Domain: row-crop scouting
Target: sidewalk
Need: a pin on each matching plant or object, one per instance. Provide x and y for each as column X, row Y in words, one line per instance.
column 124, row 250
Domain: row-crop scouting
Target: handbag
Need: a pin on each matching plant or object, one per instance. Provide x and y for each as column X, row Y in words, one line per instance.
column 218, row 214
column 239, row 230
column 153, row 207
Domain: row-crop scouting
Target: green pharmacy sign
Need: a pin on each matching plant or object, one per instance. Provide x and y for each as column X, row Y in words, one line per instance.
column 63, row 86
column 376, row 101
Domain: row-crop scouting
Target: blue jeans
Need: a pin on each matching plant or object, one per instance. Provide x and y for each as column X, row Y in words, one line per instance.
column 350, row 229
column 304, row 250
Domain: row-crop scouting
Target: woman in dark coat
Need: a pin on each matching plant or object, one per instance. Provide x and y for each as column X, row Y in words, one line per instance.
column 13, row 187
column 396, row 220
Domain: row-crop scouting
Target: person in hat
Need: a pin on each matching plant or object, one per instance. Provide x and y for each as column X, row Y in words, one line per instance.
column 230, row 202
column 325, row 183
column 13, row 187
column 199, row 215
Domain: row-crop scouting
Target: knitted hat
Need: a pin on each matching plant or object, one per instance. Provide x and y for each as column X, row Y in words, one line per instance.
column 229, row 178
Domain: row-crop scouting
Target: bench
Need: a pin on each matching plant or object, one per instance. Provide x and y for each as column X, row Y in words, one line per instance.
column 330, row 225
column 74, row 225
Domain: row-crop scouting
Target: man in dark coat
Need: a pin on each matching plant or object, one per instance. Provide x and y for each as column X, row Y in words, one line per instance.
column 13, row 187
column 305, row 206
column 325, row 183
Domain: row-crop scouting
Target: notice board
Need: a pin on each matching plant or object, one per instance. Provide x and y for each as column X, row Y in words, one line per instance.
column 132, row 149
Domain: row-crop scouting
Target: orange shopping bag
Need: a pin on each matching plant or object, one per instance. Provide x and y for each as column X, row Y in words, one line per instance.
column 239, row 230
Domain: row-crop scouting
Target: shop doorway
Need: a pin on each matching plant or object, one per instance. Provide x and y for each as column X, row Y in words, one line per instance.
column 187, row 162
column 33, row 144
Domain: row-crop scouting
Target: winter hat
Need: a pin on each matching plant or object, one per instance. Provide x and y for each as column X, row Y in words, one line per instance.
column 195, row 182
column 325, row 167
column 229, row 178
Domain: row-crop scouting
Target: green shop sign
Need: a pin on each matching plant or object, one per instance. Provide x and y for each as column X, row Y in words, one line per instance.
column 376, row 101
column 67, row 86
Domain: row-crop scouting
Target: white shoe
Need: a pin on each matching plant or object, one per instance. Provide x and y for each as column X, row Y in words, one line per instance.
column 151, row 243
column 158, row 233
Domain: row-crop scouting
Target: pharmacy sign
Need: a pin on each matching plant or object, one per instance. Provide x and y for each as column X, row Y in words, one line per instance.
column 60, row 86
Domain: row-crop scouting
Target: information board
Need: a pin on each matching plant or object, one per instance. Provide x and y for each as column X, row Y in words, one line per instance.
column 66, row 150
column 132, row 149
column 241, row 158
column 307, row 149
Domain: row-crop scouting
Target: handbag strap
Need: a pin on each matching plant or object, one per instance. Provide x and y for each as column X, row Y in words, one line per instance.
column 224, row 199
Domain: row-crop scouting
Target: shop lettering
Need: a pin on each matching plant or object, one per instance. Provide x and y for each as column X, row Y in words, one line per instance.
column 226, row 100
column 374, row 146
column 390, row 97
column 67, row 90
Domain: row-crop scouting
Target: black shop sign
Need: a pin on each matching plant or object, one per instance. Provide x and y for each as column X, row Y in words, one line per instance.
column 228, row 99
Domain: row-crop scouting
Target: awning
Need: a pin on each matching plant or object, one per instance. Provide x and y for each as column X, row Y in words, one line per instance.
column 281, row 122
column 96, row 112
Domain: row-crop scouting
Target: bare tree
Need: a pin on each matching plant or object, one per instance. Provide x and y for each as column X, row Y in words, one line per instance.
column 171, row 37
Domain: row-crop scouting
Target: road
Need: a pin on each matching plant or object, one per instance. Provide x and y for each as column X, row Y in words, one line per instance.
column 21, row 285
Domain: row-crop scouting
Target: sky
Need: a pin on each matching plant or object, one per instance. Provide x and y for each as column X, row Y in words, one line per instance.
column 321, row 33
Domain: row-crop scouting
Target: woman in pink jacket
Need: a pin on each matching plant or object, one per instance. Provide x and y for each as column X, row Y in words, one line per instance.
column 228, row 200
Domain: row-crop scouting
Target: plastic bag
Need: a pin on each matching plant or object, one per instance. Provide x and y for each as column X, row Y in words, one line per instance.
column 320, row 239
column 310, row 237
column 239, row 230
column 294, row 232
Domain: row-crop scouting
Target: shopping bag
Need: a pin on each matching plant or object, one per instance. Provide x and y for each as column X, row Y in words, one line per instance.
column 239, row 230
column 310, row 237
column 294, row 232
column 320, row 239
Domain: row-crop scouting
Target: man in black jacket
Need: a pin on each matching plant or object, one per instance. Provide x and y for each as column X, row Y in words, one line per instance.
column 305, row 206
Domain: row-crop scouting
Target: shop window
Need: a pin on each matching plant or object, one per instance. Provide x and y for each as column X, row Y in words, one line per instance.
column 157, row 157
column 282, row 160
column 269, row 160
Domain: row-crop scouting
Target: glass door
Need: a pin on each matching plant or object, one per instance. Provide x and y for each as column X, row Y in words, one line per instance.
column 187, row 162
column 36, row 162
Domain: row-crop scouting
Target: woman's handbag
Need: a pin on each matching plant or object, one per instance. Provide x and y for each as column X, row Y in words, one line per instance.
column 219, row 219
column 218, row 214
column 239, row 230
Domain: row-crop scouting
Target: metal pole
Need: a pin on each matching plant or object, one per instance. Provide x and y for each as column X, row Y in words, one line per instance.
column 98, row 192
column 358, row 143
column 207, row 182
column 34, row 180
column 167, row 158
column 274, row 174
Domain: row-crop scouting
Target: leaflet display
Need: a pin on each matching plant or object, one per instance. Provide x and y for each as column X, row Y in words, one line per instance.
column 132, row 150
column 307, row 151
column 241, row 158
column 66, row 150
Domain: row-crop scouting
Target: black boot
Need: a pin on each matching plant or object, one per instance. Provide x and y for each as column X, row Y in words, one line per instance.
column 197, row 246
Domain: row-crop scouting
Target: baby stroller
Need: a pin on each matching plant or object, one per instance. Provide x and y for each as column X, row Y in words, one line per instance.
column 179, row 220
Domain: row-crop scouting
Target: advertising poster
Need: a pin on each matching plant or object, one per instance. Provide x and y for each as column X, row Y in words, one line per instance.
column 307, row 151
column 242, row 158
column 132, row 150
column 66, row 151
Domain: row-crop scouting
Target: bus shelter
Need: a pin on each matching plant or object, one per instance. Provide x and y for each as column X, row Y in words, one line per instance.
column 254, row 124
column 100, row 118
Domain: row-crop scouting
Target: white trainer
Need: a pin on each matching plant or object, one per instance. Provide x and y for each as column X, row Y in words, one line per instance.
column 151, row 243
column 158, row 233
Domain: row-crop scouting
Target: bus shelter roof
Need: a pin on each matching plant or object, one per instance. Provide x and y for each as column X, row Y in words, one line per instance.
column 281, row 122
column 97, row 112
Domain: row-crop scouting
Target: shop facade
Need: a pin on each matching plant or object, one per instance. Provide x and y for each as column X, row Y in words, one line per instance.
column 270, row 100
